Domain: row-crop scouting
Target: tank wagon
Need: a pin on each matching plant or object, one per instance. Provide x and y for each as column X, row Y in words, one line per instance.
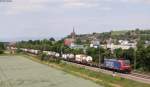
column 32, row 51
column 83, row 59
column 70, row 57
column 64, row 56
column 51, row 54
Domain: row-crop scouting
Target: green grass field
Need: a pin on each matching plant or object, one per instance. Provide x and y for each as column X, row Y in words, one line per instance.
column 19, row 71
column 118, row 32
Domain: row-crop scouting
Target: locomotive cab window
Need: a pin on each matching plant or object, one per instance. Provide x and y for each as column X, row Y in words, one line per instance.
column 127, row 62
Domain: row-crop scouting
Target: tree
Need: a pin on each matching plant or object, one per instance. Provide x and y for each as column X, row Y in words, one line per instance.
column 143, row 58
column 67, row 50
column 148, row 58
column 77, row 51
column 52, row 39
column 118, row 53
column 108, row 53
column 2, row 47
column 129, row 54
column 94, row 52
column 78, row 41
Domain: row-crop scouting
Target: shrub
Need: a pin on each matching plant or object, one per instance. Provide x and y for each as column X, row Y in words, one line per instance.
column 1, row 51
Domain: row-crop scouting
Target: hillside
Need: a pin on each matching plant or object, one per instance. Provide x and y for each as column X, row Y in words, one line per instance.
column 115, row 35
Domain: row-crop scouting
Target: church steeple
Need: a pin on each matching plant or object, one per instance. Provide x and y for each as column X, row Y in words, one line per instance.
column 73, row 34
column 73, row 30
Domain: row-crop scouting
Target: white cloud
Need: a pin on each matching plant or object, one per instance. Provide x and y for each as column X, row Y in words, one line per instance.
column 137, row 1
column 21, row 6
column 106, row 8
column 18, row 6
column 80, row 3
column 101, row 4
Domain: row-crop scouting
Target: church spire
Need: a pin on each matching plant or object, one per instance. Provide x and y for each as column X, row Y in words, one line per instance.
column 73, row 30
column 73, row 34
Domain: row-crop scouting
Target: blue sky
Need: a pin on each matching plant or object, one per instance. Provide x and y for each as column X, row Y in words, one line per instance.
column 34, row 19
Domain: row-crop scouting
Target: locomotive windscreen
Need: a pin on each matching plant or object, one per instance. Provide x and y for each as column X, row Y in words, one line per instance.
column 127, row 62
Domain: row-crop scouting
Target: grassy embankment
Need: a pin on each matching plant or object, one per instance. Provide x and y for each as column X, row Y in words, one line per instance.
column 3, row 53
column 98, row 77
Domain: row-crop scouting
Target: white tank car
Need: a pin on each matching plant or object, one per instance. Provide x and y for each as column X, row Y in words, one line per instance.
column 67, row 55
column 25, row 50
column 57, row 55
column 71, row 56
column 64, row 56
column 84, row 59
column 31, row 51
column 79, row 58
column 28, row 50
column 49, row 53
column 89, row 59
column 53, row 53
column 36, row 52
column 13, row 48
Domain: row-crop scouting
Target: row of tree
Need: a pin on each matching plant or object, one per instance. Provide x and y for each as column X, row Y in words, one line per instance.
column 2, row 47
column 48, row 45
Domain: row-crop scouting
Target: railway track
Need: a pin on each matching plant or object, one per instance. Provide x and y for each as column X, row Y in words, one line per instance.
column 141, row 75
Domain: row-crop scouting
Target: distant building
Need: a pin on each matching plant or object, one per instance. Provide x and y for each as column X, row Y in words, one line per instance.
column 69, row 41
column 73, row 34
column 75, row 46
column 11, row 44
column 124, row 47
column 147, row 43
column 95, row 43
column 123, row 44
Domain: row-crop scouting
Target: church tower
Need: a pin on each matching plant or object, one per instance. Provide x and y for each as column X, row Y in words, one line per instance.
column 73, row 34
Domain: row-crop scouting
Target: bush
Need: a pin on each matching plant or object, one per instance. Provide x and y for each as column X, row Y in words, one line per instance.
column 43, row 57
column 1, row 51
column 18, row 51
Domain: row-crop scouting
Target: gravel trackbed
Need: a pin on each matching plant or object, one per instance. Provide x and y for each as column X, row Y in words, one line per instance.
column 17, row 71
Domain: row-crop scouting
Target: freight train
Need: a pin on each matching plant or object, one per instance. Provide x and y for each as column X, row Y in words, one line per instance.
column 110, row 64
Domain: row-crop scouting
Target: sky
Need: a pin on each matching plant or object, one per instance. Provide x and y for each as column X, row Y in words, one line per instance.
column 37, row 19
